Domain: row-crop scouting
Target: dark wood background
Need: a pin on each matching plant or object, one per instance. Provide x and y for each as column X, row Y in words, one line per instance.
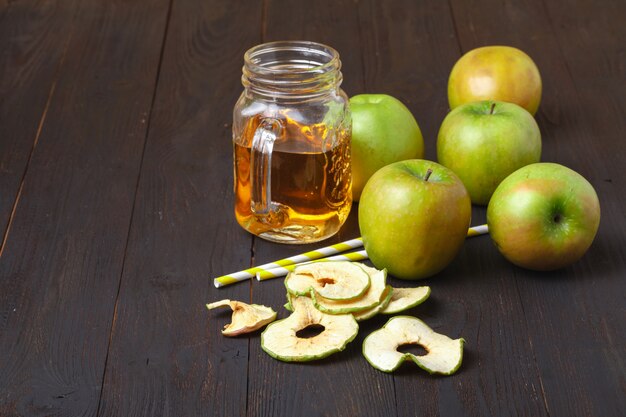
column 116, row 211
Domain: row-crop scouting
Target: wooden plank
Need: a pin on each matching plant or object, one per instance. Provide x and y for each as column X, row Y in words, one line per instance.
column 410, row 49
column 594, row 55
column 320, row 23
column 312, row 22
column 167, row 356
column 33, row 42
column 343, row 384
column 571, row 314
column 63, row 259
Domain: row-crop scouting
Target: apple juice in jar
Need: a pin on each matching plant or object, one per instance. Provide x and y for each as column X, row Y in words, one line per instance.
column 291, row 140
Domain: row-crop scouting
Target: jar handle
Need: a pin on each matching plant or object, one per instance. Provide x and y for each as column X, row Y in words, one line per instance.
column 261, row 165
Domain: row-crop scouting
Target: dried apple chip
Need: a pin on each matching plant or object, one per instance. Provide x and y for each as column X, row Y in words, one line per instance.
column 370, row 299
column 246, row 318
column 282, row 341
column 405, row 298
column 384, row 302
column 340, row 280
column 380, row 348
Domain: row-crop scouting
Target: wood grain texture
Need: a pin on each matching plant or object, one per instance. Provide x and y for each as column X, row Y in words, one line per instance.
column 115, row 124
column 61, row 266
column 313, row 388
column 334, row 23
column 408, row 51
column 595, row 59
column 571, row 314
column 167, row 355
column 33, row 41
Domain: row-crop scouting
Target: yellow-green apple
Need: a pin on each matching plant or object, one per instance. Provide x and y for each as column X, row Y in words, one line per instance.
column 543, row 216
column 383, row 131
column 485, row 141
column 413, row 217
column 500, row 73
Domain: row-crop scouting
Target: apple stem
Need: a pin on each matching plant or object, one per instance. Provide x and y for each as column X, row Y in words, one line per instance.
column 493, row 106
column 430, row 171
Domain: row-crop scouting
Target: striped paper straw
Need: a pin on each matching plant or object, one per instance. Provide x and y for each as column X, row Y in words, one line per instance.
column 284, row 270
column 271, row 270
column 353, row 256
column 293, row 260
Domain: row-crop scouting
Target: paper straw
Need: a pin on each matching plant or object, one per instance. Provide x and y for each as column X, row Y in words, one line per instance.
column 293, row 260
column 279, row 268
column 477, row 230
column 353, row 256
column 282, row 271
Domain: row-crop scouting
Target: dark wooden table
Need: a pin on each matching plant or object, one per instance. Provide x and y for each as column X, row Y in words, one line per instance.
column 116, row 209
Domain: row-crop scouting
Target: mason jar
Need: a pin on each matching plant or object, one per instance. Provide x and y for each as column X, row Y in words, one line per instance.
column 291, row 143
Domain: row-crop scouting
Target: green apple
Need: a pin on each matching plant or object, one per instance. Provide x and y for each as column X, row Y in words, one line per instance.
column 483, row 142
column 413, row 217
column 543, row 216
column 383, row 131
column 498, row 73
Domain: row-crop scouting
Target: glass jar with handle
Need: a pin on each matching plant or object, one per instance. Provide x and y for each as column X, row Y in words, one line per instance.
column 291, row 143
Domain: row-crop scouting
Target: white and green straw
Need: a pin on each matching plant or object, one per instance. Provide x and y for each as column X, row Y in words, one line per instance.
column 282, row 267
column 284, row 270
column 293, row 260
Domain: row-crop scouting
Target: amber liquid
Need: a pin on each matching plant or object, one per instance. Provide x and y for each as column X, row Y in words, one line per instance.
column 310, row 184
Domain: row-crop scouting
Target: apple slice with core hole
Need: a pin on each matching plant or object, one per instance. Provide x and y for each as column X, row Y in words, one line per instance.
column 341, row 280
column 370, row 299
column 380, row 348
column 283, row 339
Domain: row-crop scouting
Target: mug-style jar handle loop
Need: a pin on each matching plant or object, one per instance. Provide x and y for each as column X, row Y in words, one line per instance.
column 261, row 165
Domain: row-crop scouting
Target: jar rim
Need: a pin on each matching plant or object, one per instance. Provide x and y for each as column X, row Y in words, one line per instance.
column 329, row 58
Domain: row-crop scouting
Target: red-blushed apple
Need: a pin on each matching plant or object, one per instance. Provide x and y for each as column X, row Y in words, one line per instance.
column 543, row 216
column 383, row 131
column 485, row 141
column 413, row 217
column 500, row 73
